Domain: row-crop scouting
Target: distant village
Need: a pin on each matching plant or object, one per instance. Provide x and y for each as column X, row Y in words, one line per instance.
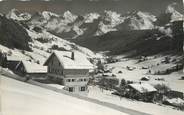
column 75, row 72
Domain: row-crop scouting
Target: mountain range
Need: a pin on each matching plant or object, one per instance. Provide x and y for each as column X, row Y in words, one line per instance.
column 71, row 26
column 137, row 32
column 82, row 7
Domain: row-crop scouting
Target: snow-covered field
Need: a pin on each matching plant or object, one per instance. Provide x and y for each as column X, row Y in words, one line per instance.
column 150, row 108
column 18, row 98
column 172, row 80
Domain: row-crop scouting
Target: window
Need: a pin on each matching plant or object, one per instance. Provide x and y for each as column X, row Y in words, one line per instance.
column 71, row 89
column 81, row 79
column 82, row 88
column 68, row 80
column 85, row 79
column 73, row 80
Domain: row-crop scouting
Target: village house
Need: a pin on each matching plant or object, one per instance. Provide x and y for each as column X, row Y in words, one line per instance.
column 11, row 61
column 31, row 70
column 70, row 68
column 141, row 91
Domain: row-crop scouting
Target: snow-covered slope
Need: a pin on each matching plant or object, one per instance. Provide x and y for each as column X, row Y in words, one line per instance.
column 41, row 50
column 18, row 98
column 51, row 40
column 152, row 109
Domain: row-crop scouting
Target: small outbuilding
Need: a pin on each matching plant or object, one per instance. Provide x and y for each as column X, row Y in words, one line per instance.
column 11, row 61
column 31, row 70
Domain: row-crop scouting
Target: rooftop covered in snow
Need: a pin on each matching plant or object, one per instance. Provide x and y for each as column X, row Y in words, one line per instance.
column 77, row 61
column 33, row 67
column 16, row 58
column 143, row 87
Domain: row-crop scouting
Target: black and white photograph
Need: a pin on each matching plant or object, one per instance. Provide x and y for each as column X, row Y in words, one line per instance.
column 91, row 57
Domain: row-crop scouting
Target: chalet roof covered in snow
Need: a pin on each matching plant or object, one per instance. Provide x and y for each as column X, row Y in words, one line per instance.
column 15, row 58
column 143, row 87
column 33, row 67
column 79, row 61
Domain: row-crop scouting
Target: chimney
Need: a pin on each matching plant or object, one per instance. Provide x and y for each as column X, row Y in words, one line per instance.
column 72, row 56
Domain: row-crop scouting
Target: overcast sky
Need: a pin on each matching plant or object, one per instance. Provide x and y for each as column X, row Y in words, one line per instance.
column 85, row 6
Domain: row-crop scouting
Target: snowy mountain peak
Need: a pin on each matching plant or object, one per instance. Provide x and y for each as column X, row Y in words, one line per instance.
column 90, row 17
column 69, row 16
column 175, row 15
column 170, row 8
column 111, row 14
column 141, row 20
column 110, row 19
column 47, row 15
column 146, row 14
column 16, row 15
column 113, row 17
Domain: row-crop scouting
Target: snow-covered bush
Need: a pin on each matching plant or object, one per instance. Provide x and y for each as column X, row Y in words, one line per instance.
column 56, row 47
